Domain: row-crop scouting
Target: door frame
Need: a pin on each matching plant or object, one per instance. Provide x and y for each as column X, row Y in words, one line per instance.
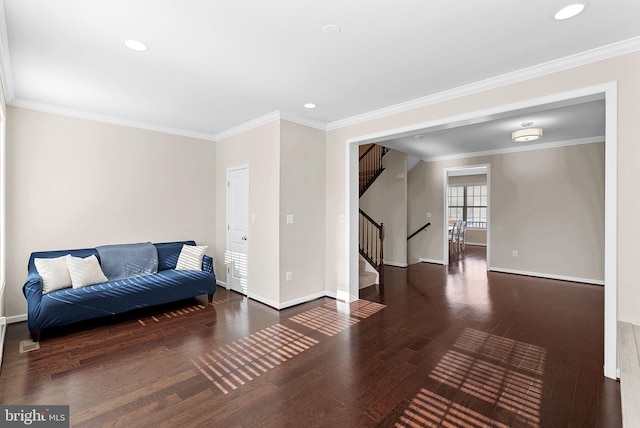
column 610, row 92
column 228, row 246
column 445, row 256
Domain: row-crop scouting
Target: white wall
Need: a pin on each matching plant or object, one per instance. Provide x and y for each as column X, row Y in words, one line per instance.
column 546, row 204
column 624, row 69
column 259, row 148
column 74, row 183
column 302, row 192
column 3, row 155
column 386, row 202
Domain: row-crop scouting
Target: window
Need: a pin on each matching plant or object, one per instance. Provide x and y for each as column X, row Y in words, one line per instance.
column 468, row 203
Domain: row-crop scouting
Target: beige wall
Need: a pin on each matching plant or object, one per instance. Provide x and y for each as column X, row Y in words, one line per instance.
column 546, row 204
column 302, row 192
column 386, row 202
column 259, row 148
column 74, row 183
column 625, row 70
column 423, row 188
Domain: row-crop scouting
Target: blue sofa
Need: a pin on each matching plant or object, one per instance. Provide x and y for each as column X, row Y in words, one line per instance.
column 71, row 305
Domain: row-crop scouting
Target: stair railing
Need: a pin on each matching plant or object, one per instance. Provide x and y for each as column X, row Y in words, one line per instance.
column 371, row 243
column 423, row 228
column 370, row 166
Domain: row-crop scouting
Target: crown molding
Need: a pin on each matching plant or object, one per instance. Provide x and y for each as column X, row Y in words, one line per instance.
column 528, row 148
column 6, row 75
column 48, row 108
column 267, row 118
column 244, row 127
column 303, row 121
column 554, row 66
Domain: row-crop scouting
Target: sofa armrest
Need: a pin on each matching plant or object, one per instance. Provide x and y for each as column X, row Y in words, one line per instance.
column 207, row 264
column 32, row 290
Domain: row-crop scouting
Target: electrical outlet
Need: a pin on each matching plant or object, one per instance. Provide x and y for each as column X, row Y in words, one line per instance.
column 514, row 253
column 428, row 215
column 289, row 276
column 289, row 218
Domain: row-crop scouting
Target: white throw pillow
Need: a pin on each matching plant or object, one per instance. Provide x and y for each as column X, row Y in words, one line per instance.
column 85, row 271
column 54, row 273
column 191, row 257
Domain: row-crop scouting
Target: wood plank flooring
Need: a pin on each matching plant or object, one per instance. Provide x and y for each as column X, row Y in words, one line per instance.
column 439, row 346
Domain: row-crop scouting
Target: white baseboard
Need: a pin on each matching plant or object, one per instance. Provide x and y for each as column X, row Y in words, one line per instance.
column 476, row 244
column 437, row 262
column 548, row 276
column 395, row 264
column 221, row 284
column 17, row 318
column 331, row 294
column 301, row 300
column 345, row 296
column 263, row 300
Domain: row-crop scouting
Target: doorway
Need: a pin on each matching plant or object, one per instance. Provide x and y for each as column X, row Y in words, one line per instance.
column 608, row 91
column 470, row 203
column 237, row 253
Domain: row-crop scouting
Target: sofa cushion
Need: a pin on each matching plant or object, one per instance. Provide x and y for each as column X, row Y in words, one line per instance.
column 85, row 271
column 54, row 273
column 191, row 257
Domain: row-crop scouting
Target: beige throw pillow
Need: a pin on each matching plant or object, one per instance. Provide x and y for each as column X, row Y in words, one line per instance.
column 54, row 273
column 191, row 257
column 85, row 271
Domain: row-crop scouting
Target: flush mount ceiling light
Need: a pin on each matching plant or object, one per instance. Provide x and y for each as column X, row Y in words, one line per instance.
column 310, row 105
column 135, row 45
column 570, row 11
column 526, row 134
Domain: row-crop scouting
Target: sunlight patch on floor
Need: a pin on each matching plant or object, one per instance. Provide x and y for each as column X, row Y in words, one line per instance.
column 508, row 351
column 500, row 371
column 171, row 314
column 335, row 317
column 241, row 361
column 428, row 409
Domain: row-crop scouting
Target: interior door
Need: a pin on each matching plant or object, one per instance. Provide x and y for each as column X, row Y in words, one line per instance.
column 237, row 253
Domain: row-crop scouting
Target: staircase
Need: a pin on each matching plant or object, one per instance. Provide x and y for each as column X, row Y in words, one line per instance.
column 365, row 277
column 370, row 165
column 371, row 233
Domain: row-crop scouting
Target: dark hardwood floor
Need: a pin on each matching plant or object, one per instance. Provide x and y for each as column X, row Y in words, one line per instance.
column 441, row 346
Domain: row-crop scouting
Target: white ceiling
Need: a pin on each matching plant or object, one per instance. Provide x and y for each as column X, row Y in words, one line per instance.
column 579, row 120
column 213, row 65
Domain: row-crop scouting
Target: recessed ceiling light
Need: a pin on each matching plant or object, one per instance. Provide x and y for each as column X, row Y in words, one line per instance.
column 135, row 45
column 331, row 29
column 570, row 11
column 310, row 105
